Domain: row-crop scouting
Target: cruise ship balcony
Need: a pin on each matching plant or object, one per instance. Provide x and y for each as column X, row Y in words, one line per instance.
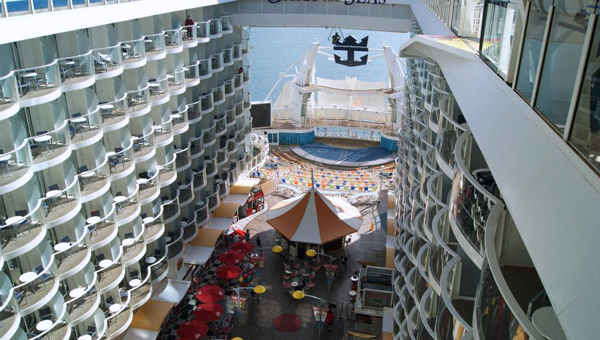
column 76, row 72
column 199, row 177
column 110, row 272
column 189, row 231
column 159, row 269
column 170, row 209
column 247, row 100
column 33, row 292
column 182, row 159
column 95, row 182
column 209, row 136
column 202, row 215
column 192, row 74
column 9, row 95
column 229, row 88
column 206, row 103
column 226, row 26
column 108, row 62
column 114, row 114
column 458, row 299
column 143, row 146
column 61, row 204
column 216, row 61
column 189, row 36
column 9, row 310
column 449, row 131
column 173, row 40
column 120, row 315
column 167, row 173
column 82, row 302
column 205, row 68
column 102, row 229
column 197, row 146
column 474, row 195
column 237, row 52
column 22, row 232
column 72, row 259
column 163, row 133
column 428, row 312
column 134, row 53
column 59, row 329
column 138, row 101
column 228, row 56
column 154, row 227
column 16, row 167
column 39, row 84
column 194, row 112
column 180, row 121
column 230, row 117
column 186, row 193
column 203, row 31
column 246, row 74
column 154, row 45
column 176, row 82
column 127, row 207
column 218, row 95
column 133, row 249
column 142, row 291
column 50, row 148
column 158, row 91
column 216, row 29
column 148, row 187
column 238, row 82
column 85, row 129
column 121, row 162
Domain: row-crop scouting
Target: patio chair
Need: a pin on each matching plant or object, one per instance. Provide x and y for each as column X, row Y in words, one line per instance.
column 75, row 129
column 66, row 239
column 91, row 331
column 95, row 213
column 4, row 164
column 46, row 313
column 83, row 169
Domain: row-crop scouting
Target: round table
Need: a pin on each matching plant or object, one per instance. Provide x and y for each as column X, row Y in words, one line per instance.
column 107, row 107
column 142, row 181
column 43, row 325
column 27, row 277
column 128, row 242
column 93, row 220
column 53, row 193
column 170, row 76
column 105, row 263
column 114, row 308
column 200, row 203
column 29, row 75
column 67, row 62
column 42, row 139
column 14, row 219
column 85, row 337
column 175, row 116
column 119, row 199
column 150, row 260
column 5, row 157
column 183, row 187
column 148, row 219
column 352, row 293
column 79, row 120
column 77, row 292
column 167, row 239
column 87, row 174
column 545, row 320
column 135, row 282
column 295, row 283
column 61, row 246
column 354, row 278
column 154, row 84
column 110, row 153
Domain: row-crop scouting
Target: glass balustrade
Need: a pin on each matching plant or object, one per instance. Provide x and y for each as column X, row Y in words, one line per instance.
column 173, row 38
column 179, row 120
column 176, row 79
column 209, row 134
column 167, row 171
column 220, row 125
column 213, row 201
column 189, row 33
column 247, row 100
column 210, row 163
column 163, row 132
column 205, row 67
column 171, row 208
column 230, row 117
column 154, row 44
column 203, row 29
column 9, row 93
column 138, row 99
column 113, row 112
column 229, row 87
column 94, row 179
column 120, row 160
column 16, row 163
column 30, row 292
column 216, row 61
column 158, row 89
column 226, row 23
column 66, row 260
column 46, row 146
column 218, row 94
column 228, row 56
column 73, row 69
column 107, row 59
column 38, row 81
column 192, row 72
column 237, row 51
column 143, row 144
column 206, row 102
column 182, row 158
column 215, row 27
column 133, row 50
column 196, row 146
column 83, row 127
column 246, row 73
column 21, row 228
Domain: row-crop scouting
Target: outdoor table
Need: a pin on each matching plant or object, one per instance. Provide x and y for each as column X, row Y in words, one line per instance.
column 118, row 200
column 62, row 246
column 93, row 219
column 54, row 195
column 43, row 140
column 27, row 277
column 154, row 87
column 150, row 260
column 43, row 325
column 128, row 242
column 135, row 282
column 115, row 308
column 77, row 292
column 67, row 66
column 29, row 78
column 87, row 175
column 14, row 220
column 167, row 239
column 79, row 120
column 85, row 337
column 105, row 263
column 106, row 109
column 148, row 219
column 295, row 284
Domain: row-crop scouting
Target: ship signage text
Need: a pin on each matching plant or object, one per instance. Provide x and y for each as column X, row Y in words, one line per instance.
column 346, row 2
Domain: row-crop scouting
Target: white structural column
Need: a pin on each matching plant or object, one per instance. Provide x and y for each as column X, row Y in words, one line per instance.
column 397, row 78
column 299, row 99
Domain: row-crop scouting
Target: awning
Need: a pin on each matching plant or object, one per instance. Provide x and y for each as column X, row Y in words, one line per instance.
column 238, row 199
column 226, row 209
column 243, row 186
column 198, row 255
column 174, row 291
column 140, row 334
column 221, row 223
column 152, row 315
column 207, row 237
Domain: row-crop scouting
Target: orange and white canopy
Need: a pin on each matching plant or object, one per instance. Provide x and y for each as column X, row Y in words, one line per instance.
column 313, row 218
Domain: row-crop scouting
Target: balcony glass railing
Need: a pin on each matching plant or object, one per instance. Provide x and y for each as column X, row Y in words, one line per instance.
column 218, row 94
column 228, row 56
column 215, row 26
column 163, row 131
column 210, row 163
column 70, row 257
column 107, row 59
column 220, row 125
column 117, row 321
column 143, row 144
column 213, row 200
column 216, row 61
column 246, row 73
column 229, row 89
column 158, row 88
column 176, row 79
column 167, row 171
column 8, row 90
column 188, row 33
column 196, row 145
column 120, row 160
column 28, row 293
column 199, row 176
column 205, row 67
column 209, row 134
column 90, row 180
column 36, row 81
column 173, row 38
column 18, row 230
column 203, row 29
column 237, row 51
column 226, row 23
column 138, row 99
column 128, row 206
column 154, row 43
column 182, row 157
column 206, row 102
column 133, row 50
column 76, row 67
column 192, row 71
column 194, row 111
column 247, row 100
column 78, row 306
column 49, row 145
column 101, row 230
column 113, row 112
column 16, row 163
column 171, row 208
column 83, row 127
column 448, row 133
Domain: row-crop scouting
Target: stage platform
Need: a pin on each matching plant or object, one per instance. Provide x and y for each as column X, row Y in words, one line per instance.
column 343, row 157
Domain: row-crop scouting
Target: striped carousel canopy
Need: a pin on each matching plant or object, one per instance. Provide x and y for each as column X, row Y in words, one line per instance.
column 314, row 218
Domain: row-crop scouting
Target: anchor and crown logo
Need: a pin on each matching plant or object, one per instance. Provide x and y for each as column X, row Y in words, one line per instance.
column 350, row 45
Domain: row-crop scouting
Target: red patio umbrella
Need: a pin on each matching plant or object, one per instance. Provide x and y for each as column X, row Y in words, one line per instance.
column 228, row 272
column 210, row 293
column 239, row 232
column 208, row 312
column 231, row 257
column 192, row 329
column 242, row 247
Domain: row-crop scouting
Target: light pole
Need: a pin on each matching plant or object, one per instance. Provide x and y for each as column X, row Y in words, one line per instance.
column 299, row 295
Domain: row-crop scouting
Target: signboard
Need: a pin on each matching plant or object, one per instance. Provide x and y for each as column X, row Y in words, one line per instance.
column 261, row 114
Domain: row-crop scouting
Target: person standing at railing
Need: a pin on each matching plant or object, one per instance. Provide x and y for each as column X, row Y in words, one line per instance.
column 189, row 23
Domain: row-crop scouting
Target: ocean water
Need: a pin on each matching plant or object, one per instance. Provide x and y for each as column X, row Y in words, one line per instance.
column 272, row 50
